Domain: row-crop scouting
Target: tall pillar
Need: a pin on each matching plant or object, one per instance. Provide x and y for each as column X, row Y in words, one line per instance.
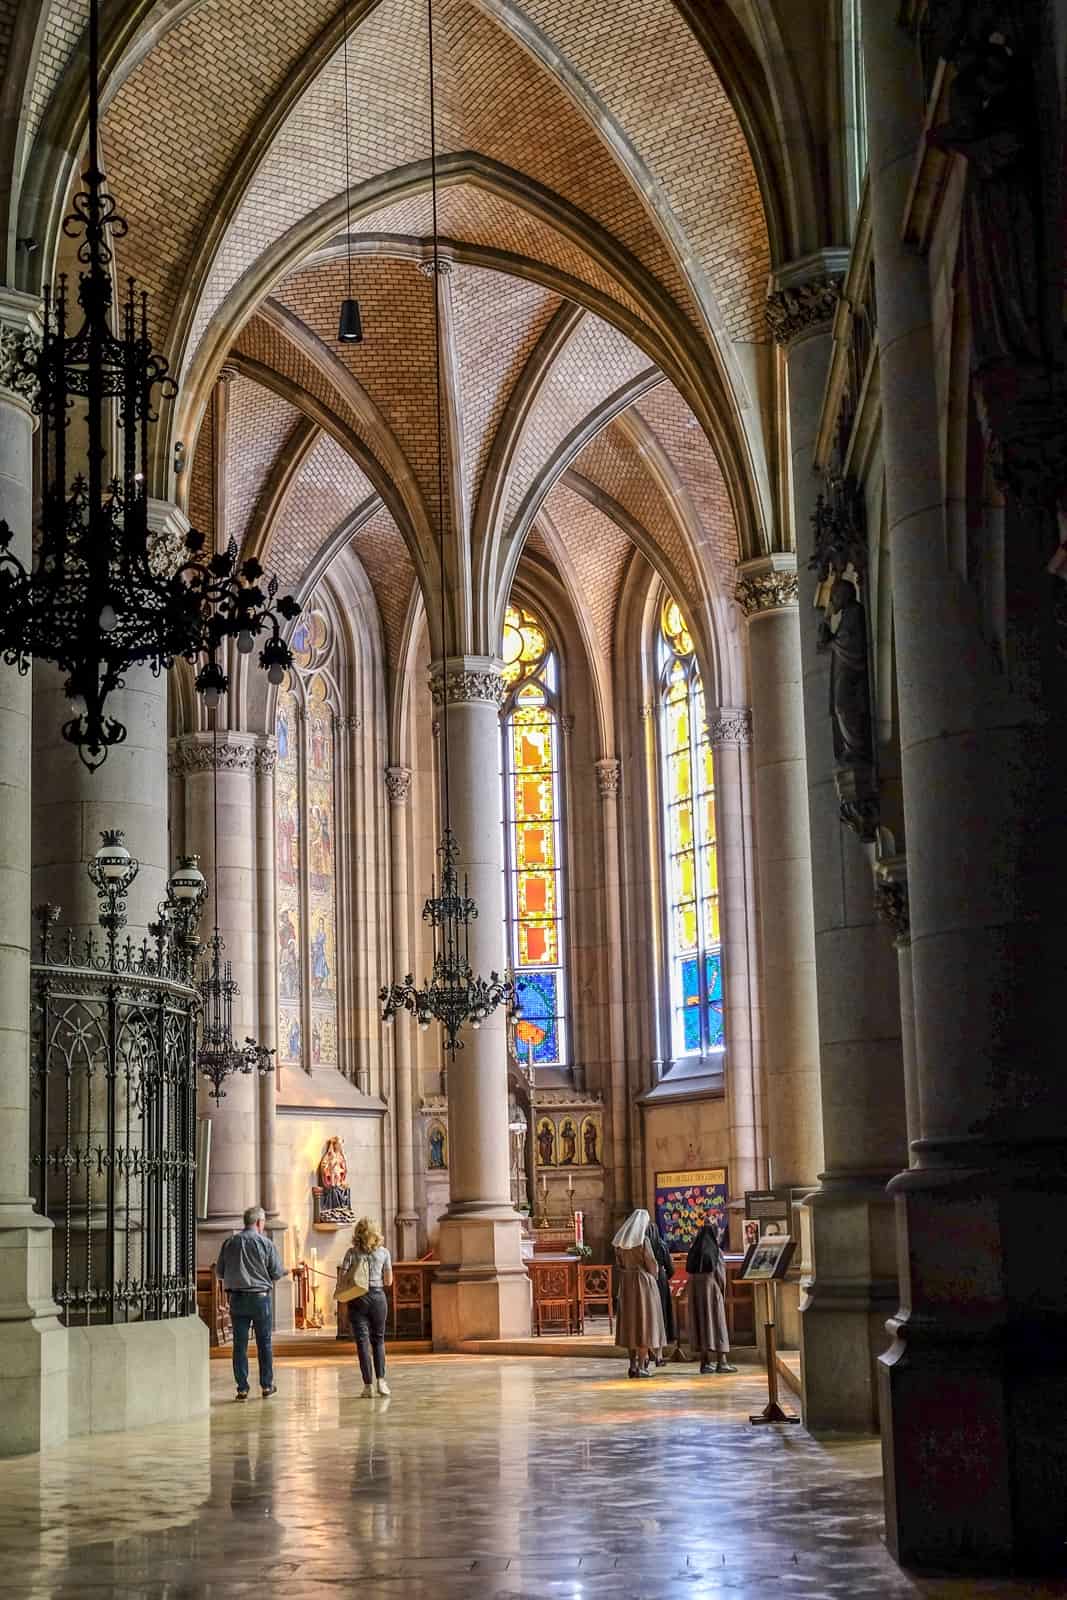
column 33, row 1345
column 266, row 1027
column 975, row 1385
column 481, row 1289
column 731, row 740
column 853, row 1283
column 227, row 764
column 767, row 594
column 608, row 773
column 398, row 787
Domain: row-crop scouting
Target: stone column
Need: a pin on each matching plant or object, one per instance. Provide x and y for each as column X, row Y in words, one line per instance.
column 620, row 1203
column 481, row 1289
column 33, row 1345
column 398, row 787
column 228, row 762
column 266, row 1029
column 975, row 1386
column 731, row 740
column 853, row 1285
column 767, row 594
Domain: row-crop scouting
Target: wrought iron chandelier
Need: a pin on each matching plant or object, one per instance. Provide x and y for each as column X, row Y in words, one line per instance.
column 219, row 1057
column 454, row 995
column 102, row 593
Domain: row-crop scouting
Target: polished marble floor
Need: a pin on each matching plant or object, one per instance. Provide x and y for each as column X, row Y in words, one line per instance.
column 494, row 1479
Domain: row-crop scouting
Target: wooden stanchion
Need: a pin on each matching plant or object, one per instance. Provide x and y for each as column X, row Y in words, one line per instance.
column 772, row 1411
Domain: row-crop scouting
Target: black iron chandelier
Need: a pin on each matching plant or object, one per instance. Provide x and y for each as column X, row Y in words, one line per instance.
column 453, row 995
column 219, row 1057
column 102, row 594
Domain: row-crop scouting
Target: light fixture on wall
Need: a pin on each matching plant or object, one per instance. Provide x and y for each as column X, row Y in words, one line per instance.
column 219, row 1057
column 102, row 594
column 350, row 326
column 453, row 995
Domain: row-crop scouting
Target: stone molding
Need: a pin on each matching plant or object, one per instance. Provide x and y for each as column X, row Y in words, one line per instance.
column 198, row 752
column 800, row 308
column 731, row 726
column 467, row 680
column 398, row 784
column 266, row 754
column 608, row 774
column 766, row 591
column 350, row 724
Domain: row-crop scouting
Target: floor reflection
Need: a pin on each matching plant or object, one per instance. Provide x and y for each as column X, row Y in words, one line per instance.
column 495, row 1479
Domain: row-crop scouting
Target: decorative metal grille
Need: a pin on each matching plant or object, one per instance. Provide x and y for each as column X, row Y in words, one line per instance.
column 113, row 1122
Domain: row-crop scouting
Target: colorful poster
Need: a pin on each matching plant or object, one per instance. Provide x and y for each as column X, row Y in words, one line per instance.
column 685, row 1200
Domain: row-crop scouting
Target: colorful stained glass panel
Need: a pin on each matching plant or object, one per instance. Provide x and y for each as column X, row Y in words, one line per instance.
column 538, row 995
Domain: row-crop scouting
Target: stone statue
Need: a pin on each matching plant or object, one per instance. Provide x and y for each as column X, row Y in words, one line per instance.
column 335, row 1200
column 438, row 1162
column 850, row 695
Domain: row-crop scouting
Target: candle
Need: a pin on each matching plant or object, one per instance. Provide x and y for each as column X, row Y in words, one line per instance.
column 314, row 1259
column 570, row 1183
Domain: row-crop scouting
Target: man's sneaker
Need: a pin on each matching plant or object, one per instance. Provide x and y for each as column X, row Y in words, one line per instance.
column 266, row 1393
column 383, row 1388
column 368, row 1390
column 242, row 1394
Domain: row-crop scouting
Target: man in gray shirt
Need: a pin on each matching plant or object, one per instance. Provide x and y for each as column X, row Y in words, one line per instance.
column 248, row 1267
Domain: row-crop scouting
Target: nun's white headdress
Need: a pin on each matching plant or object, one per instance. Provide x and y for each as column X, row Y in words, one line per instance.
column 633, row 1231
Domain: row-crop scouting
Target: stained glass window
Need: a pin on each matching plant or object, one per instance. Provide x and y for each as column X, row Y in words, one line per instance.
column 305, row 852
column 694, row 936
column 535, row 906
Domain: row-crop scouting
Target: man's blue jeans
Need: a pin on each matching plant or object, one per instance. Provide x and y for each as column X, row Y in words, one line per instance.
column 250, row 1310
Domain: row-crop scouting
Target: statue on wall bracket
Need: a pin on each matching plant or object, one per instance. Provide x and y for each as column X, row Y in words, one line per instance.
column 840, row 563
column 331, row 1195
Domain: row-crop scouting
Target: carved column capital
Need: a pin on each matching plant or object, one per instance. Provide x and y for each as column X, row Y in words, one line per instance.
column 804, row 295
column 201, row 752
column 468, row 679
column 891, row 898
column 398, row 785
column 767, row 584
column 20, row 347
column 266, row 754
column 731, row 726
column 350, row 724
column 608, row 774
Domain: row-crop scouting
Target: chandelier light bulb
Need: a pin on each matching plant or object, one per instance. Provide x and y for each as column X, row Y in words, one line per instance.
column 109, row 619
column 245, row 642
column 276, row 673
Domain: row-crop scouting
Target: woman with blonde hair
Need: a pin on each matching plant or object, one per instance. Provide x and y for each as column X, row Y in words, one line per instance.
column 640, row 1316
column 367, row 1313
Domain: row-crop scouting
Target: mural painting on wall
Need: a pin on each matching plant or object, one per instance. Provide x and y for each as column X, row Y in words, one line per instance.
column 685, row 1200
column 332, row 1196
column 322, row 923
column 287, row 862
column 592, row 1140
column 437, row 1148
column 571, row 1140
column 546, row 1142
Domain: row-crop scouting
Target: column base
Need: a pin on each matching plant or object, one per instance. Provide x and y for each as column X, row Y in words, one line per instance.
column 974, row 1386
column 33, row 1343
column 407, row 1235
column 137, row 1373
column 845, row 1303
column 481, row 1289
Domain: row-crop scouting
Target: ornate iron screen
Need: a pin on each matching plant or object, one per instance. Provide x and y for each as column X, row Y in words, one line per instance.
column 113, row 1121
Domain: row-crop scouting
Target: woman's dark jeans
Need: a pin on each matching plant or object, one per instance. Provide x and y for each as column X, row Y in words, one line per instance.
column 367, row 1316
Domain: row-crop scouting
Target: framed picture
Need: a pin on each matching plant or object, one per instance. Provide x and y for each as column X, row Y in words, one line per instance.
column 770, row 1209
column 749, row 1233
column 768, row 1258
column 685, row 1201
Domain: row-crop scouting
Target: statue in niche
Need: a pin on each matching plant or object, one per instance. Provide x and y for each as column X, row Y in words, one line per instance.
column 568, row 1143
column 333, row 1197
column 850, row 694
column 590, row 1146
column 546, row 1143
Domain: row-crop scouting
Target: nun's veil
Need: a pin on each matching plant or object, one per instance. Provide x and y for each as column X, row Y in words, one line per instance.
column 632, row 1233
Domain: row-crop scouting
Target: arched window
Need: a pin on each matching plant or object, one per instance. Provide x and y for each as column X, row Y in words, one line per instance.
column 692, row 870
column 305, row 823
column 535, row 885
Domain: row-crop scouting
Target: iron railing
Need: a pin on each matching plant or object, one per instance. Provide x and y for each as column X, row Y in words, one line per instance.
column 113, row 1120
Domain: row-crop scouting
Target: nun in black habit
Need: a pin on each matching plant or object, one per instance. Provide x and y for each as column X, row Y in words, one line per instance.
column 665, row 1264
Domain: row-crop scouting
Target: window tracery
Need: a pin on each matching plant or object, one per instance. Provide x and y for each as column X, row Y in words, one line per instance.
column 534, row 854
column 305, row 801
column 687, row 777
